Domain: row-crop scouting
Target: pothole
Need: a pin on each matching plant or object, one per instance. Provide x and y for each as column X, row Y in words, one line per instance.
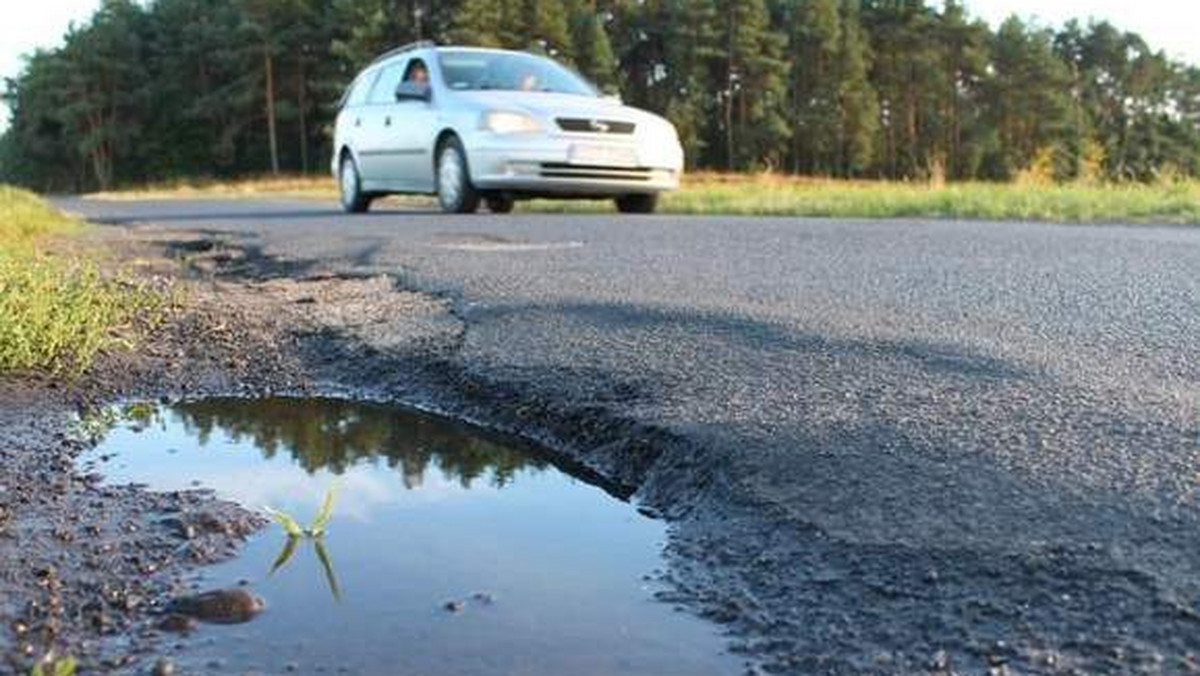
column 448, row 550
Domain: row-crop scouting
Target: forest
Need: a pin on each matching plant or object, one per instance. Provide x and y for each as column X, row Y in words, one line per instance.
column 875, row 89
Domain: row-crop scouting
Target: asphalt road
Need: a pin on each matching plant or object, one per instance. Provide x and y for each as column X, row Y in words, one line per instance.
column 985, row 437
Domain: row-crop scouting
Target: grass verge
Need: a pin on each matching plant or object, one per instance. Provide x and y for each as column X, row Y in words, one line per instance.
column 1168, row 202
column 58, row 312
column 1171, row 202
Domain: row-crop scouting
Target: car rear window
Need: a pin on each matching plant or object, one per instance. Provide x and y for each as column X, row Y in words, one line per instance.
column 384, row 90
column 356, row 94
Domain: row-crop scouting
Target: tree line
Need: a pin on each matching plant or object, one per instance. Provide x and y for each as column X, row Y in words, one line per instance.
column 899, row 89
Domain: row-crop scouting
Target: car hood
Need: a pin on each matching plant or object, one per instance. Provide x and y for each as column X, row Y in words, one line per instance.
column 548, row 106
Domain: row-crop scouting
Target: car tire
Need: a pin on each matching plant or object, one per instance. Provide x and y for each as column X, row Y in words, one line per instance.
column 353, row 199
column 455, row 193
column 637, row 204
column 500, row 204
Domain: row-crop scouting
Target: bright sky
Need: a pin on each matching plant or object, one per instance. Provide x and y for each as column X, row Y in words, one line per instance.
column 1166, row 24
column 1169, row 25
column 38, row 24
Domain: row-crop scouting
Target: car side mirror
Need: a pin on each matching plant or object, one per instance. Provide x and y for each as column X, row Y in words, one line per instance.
column 414, row 91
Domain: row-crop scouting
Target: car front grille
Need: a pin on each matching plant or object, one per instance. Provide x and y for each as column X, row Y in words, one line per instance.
column 584, row 125
column 594, row 172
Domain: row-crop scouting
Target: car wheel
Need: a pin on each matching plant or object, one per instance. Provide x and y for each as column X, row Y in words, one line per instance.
column 454, row 190
column 500, row 204
column 637, row 204
column 354, row 200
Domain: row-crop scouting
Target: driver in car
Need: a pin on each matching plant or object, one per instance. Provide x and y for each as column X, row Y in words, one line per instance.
column 529, row 82
column 417, row 73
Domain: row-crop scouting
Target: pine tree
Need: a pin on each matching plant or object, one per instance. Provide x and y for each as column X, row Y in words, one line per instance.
column 692, row 53
column 40, row 148
column 1027, row 98
column 106, row 87
column 540, row 25
column 751, row 85
column 908, row 76
column 814, row 45
column 964, row 56
column 859, row 105
column 545, row 28
column 594, row 55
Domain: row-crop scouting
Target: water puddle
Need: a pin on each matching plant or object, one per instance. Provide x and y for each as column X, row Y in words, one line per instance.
column 448, row 552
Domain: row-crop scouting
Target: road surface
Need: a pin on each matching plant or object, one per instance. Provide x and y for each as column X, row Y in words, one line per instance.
column 978, row 443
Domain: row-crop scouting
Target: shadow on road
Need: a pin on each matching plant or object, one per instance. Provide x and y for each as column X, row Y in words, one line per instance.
column 935, row 359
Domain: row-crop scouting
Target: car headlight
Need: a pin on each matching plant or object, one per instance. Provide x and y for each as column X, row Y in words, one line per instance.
column 507, row 122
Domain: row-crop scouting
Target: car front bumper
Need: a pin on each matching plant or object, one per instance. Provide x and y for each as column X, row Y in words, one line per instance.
column 551, row 165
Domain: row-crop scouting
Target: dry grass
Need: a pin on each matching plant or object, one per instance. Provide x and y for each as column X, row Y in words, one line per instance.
column 314, row 187
column 1176, row 202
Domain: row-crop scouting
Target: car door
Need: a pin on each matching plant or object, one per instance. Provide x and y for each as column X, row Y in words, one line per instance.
column 412, row 126
column 374, row 122
column 349, row 127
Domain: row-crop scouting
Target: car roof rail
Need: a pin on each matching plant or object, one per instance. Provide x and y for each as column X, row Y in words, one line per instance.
column 419, row 44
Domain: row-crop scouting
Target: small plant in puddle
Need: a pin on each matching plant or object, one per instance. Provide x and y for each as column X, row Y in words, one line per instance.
column 314, row 534
column 54, row 667
column 315, row 529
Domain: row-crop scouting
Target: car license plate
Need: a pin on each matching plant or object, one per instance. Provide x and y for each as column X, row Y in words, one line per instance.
column 604, row 156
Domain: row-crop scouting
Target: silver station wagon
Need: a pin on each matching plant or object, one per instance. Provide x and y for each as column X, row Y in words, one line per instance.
column 485, row 125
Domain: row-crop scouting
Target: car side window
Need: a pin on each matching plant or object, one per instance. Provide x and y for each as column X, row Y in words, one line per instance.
column 360, row 88
column 416, row 72
column 384, row 90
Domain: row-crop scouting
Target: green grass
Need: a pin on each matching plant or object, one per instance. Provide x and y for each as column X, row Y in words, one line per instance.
column 1177, row 202
column 25, row 219
column 1174, row 202
column 58, row 312
column 54, row 667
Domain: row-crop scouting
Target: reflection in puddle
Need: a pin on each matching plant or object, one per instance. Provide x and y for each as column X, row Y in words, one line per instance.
column 448, row 552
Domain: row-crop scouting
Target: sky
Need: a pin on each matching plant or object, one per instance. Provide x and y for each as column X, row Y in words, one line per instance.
column 1166, row 24
column 1169, row 25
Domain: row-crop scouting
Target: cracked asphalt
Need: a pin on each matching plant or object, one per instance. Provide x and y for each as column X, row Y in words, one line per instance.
column 930, row 446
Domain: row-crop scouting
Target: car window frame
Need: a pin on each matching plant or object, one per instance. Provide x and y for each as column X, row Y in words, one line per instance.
column 364, row 82
column 412, row 62
column 389, row 98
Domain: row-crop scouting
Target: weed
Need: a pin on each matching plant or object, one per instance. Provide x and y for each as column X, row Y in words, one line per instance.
column 327, row 568
column 59, row 312
column 316, row 529
column 54, row 667
column 24, row 219
column 314, row 534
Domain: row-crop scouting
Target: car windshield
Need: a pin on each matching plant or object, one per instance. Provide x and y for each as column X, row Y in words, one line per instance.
column 510, row 71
